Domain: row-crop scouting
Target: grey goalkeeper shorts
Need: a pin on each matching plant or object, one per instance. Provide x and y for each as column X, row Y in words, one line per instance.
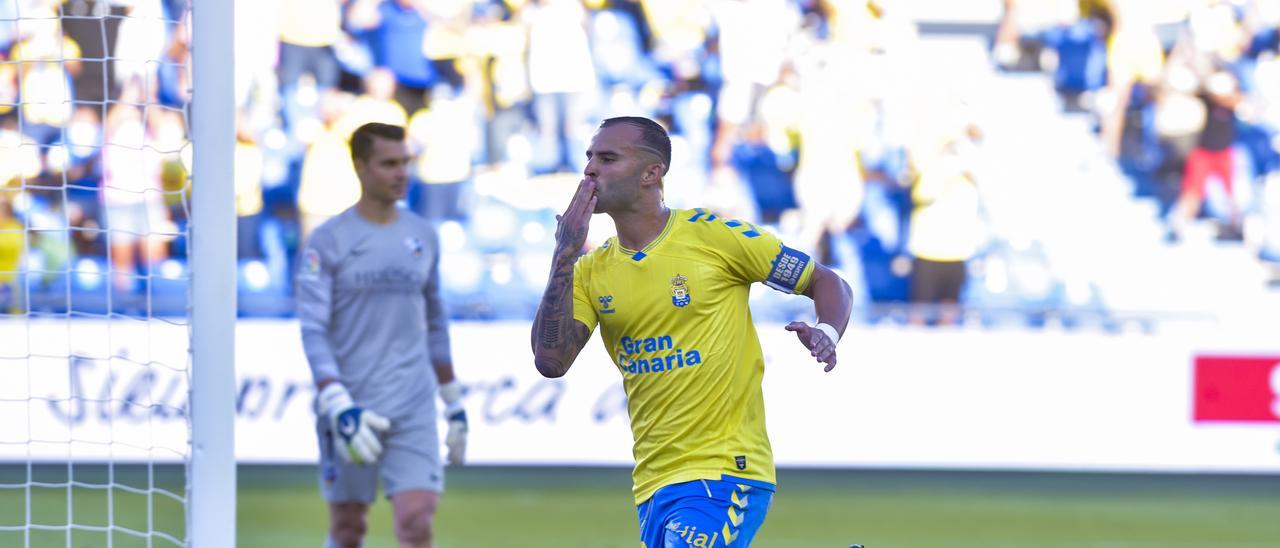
column 410, row 461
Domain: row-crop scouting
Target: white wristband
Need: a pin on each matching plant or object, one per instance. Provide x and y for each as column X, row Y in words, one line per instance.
column 830, row 331
column 333, row 397
column 451, row 392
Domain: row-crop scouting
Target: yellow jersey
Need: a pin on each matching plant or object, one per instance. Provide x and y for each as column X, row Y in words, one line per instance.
column 675, row 320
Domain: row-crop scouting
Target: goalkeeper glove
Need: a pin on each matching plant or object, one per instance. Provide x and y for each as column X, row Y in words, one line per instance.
column 456, row 439
column 357, row 428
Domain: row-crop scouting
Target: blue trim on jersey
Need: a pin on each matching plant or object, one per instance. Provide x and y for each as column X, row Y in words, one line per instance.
column 788, row 266
column 666, row 229
column 750, row 232
column 699, row 212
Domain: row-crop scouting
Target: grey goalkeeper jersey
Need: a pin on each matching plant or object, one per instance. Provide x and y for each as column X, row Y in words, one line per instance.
column 369, row 304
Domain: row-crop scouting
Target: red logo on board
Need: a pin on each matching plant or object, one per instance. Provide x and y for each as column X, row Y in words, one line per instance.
column 1237, row 389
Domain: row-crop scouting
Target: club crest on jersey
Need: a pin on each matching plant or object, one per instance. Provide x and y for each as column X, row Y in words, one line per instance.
column 605, row 302
column 414, row 245
column 680, row 291
column 310, row 264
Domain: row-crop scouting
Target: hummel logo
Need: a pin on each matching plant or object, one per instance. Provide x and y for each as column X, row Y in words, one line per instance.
column 605, row 301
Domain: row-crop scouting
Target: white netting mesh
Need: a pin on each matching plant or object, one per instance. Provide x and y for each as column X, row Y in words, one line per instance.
column 94, row 336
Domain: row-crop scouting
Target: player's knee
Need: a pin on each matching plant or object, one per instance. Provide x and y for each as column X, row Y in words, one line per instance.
column 349, row 526
column 349, row 534
column 415, row 528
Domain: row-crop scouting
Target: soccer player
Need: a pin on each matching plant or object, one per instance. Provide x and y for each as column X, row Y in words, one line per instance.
column 670, row 294
column 375, row 334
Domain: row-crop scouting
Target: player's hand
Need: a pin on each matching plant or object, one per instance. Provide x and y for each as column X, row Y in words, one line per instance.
column 571, row 228
column 357, row 428
column 456, row 416
column 821, row 346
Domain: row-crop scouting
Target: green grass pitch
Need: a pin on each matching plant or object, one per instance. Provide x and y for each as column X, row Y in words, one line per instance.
column 279, row 507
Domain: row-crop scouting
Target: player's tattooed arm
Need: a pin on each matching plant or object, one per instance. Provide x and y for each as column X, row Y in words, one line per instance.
column 556, row 337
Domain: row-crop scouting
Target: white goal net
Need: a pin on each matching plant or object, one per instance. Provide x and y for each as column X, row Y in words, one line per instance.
column 96, row 273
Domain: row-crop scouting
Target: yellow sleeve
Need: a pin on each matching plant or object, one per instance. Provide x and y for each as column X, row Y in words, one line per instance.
column 754, row 255
column 582, row 309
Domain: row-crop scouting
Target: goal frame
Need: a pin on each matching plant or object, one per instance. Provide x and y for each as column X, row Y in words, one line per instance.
column 211, row 484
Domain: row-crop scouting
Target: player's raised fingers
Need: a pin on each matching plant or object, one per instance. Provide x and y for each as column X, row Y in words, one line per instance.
column 571, row 230
column 584, row 209
column 579, row 211
column 795, row 326
column 574, row 200
column 586, row 190
column 583, row 189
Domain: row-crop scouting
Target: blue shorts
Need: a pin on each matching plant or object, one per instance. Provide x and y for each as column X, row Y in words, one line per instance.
column 725, row 512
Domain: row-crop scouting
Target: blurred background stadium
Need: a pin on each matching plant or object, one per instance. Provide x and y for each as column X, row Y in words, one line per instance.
column 1036, row 145
column 1100, row 168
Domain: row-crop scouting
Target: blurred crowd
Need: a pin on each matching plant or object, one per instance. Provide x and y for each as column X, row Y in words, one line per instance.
column 804, row 116
column 1186, row 97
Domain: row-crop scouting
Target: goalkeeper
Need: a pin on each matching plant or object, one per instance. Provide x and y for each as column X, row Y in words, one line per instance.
column 375, row 334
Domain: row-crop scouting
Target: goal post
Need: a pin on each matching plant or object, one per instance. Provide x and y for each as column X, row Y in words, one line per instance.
column 118, row 273
column 211, row 509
